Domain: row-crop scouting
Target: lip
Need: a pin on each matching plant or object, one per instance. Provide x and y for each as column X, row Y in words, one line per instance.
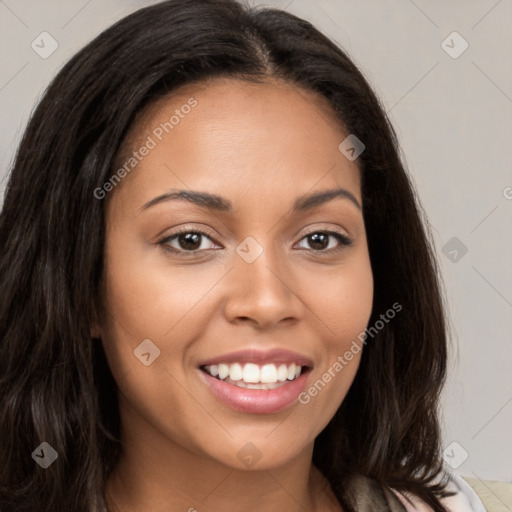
column 256, row 401
column 275, row 356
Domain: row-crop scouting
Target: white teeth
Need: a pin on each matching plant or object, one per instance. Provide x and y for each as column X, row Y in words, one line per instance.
column 251, row 373
column 254, row 376
column 236, row 372
column 223, row 371
column 268, row 373
column 270, row 385
column 282, row 373
column 291, row 371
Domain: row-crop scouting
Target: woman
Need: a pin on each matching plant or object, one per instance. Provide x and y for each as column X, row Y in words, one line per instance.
column 218, row 291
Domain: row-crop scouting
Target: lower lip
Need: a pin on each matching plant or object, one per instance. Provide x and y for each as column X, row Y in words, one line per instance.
column 256, row 401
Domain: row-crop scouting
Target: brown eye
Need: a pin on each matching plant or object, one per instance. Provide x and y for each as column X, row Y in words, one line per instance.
column 185, row 241
column 189, row 241
column 319, row 241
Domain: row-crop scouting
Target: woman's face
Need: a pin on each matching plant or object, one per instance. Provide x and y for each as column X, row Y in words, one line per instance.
column 265, row 288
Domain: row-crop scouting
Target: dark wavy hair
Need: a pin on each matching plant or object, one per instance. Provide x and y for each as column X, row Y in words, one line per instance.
column 52, row 232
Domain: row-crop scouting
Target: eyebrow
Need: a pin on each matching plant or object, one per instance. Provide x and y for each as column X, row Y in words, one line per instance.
column 220, row 204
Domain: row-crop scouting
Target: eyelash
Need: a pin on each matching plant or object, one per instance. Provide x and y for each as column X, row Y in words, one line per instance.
column 343, row 239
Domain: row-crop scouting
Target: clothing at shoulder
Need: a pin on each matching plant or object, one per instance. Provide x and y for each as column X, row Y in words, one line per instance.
column 466, row 500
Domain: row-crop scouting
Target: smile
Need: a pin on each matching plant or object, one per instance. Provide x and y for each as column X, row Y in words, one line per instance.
column 250, row 382
column 253, row 376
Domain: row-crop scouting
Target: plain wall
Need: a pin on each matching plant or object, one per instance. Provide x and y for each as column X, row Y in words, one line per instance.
column 453, row 116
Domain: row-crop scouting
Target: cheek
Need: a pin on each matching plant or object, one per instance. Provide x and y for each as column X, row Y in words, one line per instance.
column 342, row 299
column 153, row 308
column 342, row 302
column 148, row 297
column 145, row 299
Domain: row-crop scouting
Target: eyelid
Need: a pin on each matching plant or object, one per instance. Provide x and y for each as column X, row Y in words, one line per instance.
column 326, row 229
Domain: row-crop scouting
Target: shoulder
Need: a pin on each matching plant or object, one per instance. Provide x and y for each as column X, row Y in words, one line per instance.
column 465, row 499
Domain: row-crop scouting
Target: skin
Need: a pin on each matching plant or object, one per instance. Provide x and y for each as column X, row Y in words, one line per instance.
column 260, row 146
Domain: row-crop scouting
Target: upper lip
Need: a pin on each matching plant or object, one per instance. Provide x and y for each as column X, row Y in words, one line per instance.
column 275, row 356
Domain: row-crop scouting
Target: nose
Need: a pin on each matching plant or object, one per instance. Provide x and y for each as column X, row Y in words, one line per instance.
column 264, row 292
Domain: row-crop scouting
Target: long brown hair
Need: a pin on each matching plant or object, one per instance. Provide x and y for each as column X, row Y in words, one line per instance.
column 52, row 231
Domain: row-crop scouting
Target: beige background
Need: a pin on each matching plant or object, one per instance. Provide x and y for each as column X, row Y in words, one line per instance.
column 454, row 120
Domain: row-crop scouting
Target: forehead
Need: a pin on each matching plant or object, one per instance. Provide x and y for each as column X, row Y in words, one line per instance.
column 228, row 135
column 222, row 96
